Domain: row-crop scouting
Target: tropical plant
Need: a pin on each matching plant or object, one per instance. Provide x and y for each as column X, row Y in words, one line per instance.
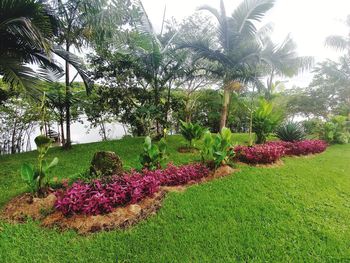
column 191, row 131
column 290, row 132
column 25, row 33
column 217, row 149
column 75, row 27
column 153, row 155
column 238, row 48
column 265, row 120
column 336, row 130
column 37, row 177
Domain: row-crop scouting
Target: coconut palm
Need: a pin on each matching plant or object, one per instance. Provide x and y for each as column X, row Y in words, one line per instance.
column 25, row 32
column 238, row 47
column 281, row 60
column 340, row 43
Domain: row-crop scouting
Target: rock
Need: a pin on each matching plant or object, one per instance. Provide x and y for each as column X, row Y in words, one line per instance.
column 105, row 164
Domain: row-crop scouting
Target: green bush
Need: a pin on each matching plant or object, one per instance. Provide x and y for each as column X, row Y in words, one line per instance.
column 335, row 130
column 191, row 131
column 217, row 149
column 36, row 176
column 265, row 120
column 153, row 155
column 290, row 132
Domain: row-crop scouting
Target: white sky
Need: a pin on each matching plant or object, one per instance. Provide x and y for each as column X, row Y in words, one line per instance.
column 308, row 21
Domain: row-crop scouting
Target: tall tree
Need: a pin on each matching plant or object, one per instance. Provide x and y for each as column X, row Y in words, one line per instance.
column 237, row 46
column 76, row 21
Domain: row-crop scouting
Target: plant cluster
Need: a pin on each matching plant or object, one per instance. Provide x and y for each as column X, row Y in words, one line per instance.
column 265, row 120
column 304, row 147
column 191, row 131
column 272, row 151
column 36, row 177
column 153, row 155
column 290, row 132
column 217, row 149
column 336, row 130
column 261, row 153
column 102, row 195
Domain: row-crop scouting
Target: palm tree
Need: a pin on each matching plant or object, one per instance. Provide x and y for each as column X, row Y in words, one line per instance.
column 25, row 32
column 237, row 48
column 281, row 60
column 74, row 20
column 338, row 42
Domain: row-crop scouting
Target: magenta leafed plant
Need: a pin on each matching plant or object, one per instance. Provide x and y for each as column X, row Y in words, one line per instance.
column 261, row 153
column 272, row 151
column 304, row 147
column 101, row 196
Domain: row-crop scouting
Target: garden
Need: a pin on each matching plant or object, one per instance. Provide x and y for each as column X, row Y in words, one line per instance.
column 219, row 161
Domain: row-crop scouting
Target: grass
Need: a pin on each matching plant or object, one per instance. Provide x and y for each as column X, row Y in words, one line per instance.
column 299, row 212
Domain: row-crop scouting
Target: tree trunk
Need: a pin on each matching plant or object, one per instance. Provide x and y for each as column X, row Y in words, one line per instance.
column 226, row 100
column 68, row 143
column 61, row 125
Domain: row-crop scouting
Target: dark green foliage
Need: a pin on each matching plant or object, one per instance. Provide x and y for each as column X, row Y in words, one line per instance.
column 265, row 120
column 290, row 132
column 191, row 131
column 153, row 155
column 217, row 149
column 34, row 176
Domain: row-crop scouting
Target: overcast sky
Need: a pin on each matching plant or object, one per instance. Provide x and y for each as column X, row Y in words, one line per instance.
column 308, row 21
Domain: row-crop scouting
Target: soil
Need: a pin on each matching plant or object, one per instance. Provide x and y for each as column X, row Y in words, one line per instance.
column 22, row 207
column 186, row 149
column 278, row 163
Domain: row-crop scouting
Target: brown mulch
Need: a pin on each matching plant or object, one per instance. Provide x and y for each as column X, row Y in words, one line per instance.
column 22, row 207
column 187, row 150
column 278, row 163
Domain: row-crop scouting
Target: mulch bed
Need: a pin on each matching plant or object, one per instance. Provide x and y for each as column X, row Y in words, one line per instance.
column 22, row 207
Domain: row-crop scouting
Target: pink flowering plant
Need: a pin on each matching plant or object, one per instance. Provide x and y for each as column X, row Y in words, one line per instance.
column 102, row 195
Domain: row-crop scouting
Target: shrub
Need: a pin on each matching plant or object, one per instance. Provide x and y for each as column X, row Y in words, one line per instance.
column 290, row 132
column 36, row 177
column 153, row 155
column 262, row 153
column 265, row 120
column 191, row 131
column 304, row 147
column 335, row 130
column 217, row 150
column 272, row 151
column 101, row 196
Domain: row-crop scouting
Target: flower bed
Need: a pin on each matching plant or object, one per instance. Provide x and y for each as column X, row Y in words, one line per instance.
column 263, row 153
column 273, row 151
column 304, row 147
column 101, row 196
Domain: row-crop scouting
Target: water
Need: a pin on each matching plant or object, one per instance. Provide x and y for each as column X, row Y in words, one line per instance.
column 82, row 133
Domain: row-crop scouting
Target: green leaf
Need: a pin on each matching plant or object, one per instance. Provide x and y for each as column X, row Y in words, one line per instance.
column 27, row 172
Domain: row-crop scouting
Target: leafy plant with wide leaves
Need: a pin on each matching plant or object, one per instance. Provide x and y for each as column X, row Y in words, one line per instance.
column 153, row 155
column 191, row 131
column 36, row 177
column 265, row 119
column 217, row 149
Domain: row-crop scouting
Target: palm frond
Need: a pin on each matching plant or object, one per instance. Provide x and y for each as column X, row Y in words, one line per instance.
column 337, row 42
column 248, row 12
column 77, row 63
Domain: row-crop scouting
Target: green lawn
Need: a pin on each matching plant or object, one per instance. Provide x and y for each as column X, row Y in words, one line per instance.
column 299, row 212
